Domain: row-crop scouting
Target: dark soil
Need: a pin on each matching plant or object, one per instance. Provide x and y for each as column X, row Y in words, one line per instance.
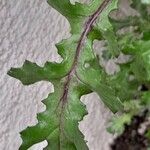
column 131, row 139
column 144, row 88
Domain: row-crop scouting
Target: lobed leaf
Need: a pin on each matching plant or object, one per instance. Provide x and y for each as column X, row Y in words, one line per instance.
column 79, row 73
column 59, row 123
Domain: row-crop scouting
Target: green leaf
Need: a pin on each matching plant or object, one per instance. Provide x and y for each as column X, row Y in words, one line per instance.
column 124, row 22
column 140, row 22
column 141, row 8
column 111, row 42
column 139, row 50
column 90, row 73
column 59, row 123
column 106, row 28
column 141, row 60
column 145, row 99
column 117, row 123
column 75, row 13
column 123, row 83
column 79, row 73
column 145, row 1
column 30, row 72
column 148, row 134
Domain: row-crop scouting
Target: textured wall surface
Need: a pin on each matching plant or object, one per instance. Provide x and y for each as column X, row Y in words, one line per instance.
column 28, row 30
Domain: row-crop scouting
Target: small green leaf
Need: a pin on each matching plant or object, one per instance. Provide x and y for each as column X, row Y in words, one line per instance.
column 148, row 134
column 146, row 99
column 141, row 8
column 125, row 22
column 106, row 28
column 30, row 72
column 141, row 60
column 90, row 73
column 123, row 83
column 117, row 123
column 59, row 123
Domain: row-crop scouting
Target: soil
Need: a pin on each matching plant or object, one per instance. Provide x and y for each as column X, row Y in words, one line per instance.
column 131, row 139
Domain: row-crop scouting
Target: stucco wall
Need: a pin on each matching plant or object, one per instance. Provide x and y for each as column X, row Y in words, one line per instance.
column 28, row 30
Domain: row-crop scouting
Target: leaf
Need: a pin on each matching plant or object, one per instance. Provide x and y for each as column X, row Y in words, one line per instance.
column 123, row 83
column 142, row 21
column 79, row 73
column 124, row 22
column 138, row 48
column 90, row 73
column 128, row 82
column 104, row 25
column 117, row 123
column 141, row 8
column 75, row 13
column 31, row 72
column 59, row 123
column 148, row 134
column 145, row 1
column 111, row 40
column 142, row 59
column 132, row 20
column 145, row 99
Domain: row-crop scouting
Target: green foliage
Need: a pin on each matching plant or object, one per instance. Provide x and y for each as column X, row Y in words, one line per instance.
column 148, row 134
column 80, row 73
column 135, row 73
column 117, row 123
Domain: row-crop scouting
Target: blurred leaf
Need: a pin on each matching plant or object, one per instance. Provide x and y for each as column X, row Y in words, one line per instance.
column 117, row 123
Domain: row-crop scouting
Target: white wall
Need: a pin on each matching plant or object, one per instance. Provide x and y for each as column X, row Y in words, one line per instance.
column 28, row 30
